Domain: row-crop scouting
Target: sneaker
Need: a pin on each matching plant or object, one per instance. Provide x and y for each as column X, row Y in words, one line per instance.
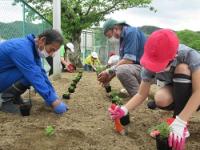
column 123, row 93
column 151, row 104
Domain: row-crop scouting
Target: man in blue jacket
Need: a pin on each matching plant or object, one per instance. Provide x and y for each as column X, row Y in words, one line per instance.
column 131, row 41
column 20, row 67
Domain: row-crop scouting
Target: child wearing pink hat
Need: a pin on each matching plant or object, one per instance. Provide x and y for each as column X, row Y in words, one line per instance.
column 178, row 67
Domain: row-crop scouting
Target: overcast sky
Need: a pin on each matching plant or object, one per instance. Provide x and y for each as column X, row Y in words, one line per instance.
column 174, row 14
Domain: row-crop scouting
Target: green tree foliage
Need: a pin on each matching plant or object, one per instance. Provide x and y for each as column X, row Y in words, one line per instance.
column 82, row 14
column 149, row 29
column 190, row 38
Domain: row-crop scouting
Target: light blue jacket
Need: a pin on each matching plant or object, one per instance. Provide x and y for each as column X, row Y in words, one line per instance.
column 132, row 42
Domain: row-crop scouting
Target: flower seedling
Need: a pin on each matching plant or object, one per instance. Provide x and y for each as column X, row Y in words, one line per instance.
column 73, row 84
column 49, row 130
column 75, row 81
column 113, row 94
column 117, row 100
column 161, row 133
column 71, row 89
column 163, row 129
column 79, row 75
column 99, row 69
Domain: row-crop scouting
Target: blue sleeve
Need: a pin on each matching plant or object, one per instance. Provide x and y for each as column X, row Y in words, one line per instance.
column 24, row 60
column 130, row 46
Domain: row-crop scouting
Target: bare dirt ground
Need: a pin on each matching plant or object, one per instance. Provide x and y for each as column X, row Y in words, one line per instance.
column 86, row 126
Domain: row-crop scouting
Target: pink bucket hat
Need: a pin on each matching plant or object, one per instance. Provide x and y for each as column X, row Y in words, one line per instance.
column 160, row 48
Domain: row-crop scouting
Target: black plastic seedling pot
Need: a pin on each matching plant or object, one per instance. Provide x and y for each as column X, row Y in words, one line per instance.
column 162, row 143
column 108, row 89
column 25, row 107
column 125, row 120
column 66, row 96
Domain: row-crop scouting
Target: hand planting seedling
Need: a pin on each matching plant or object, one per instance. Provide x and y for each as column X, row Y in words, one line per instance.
column 49, row 130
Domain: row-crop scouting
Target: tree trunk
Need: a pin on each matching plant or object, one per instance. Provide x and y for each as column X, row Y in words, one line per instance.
column 75, row 57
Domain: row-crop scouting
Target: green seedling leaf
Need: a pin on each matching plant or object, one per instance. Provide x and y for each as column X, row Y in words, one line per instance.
column 163, row 128
column 117, row 100
column 71, row 89
column 49, row 131
column 100, row 68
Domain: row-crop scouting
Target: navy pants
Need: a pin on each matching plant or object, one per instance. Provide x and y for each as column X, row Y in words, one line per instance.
column 11, row 76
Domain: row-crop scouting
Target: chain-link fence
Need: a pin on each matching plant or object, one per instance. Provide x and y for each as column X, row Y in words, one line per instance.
column 17, row 19
column 94, row 40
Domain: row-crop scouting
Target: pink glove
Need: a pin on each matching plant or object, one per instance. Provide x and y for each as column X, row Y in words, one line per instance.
column 117, row 112
column 178, row 134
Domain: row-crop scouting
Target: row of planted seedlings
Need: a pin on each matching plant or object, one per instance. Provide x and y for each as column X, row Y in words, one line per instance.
column 72, row 87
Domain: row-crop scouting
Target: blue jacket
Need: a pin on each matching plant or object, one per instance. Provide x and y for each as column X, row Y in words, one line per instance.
column 132, row 42
column 21, row 54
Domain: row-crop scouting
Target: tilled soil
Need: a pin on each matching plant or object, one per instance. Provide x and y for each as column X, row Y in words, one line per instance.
column 86, row 126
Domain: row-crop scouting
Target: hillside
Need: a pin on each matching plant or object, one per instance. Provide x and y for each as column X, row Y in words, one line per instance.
column 15, row 29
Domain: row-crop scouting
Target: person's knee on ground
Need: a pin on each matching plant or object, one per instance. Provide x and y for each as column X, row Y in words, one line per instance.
column 182, row 87
column 14, row 92
column 130, row 79
column 163, row 98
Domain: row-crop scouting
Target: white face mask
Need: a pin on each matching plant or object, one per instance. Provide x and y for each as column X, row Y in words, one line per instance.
column 113, row 40
column 43, row 53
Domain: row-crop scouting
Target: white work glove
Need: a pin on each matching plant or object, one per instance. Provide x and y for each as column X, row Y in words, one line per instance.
column 178, row 134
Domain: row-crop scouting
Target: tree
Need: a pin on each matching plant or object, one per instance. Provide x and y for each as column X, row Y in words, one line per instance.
column 82, row 14
column 190, row 38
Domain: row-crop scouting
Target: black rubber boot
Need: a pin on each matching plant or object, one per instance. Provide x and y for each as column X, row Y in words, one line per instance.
column 182, row 90
column 14, row 92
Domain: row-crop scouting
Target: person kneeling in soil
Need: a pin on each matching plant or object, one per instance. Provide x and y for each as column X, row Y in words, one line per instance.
column 179, row 67
column 20, row 67
column 128, row 68
column 67, row 66
column 91, row 62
